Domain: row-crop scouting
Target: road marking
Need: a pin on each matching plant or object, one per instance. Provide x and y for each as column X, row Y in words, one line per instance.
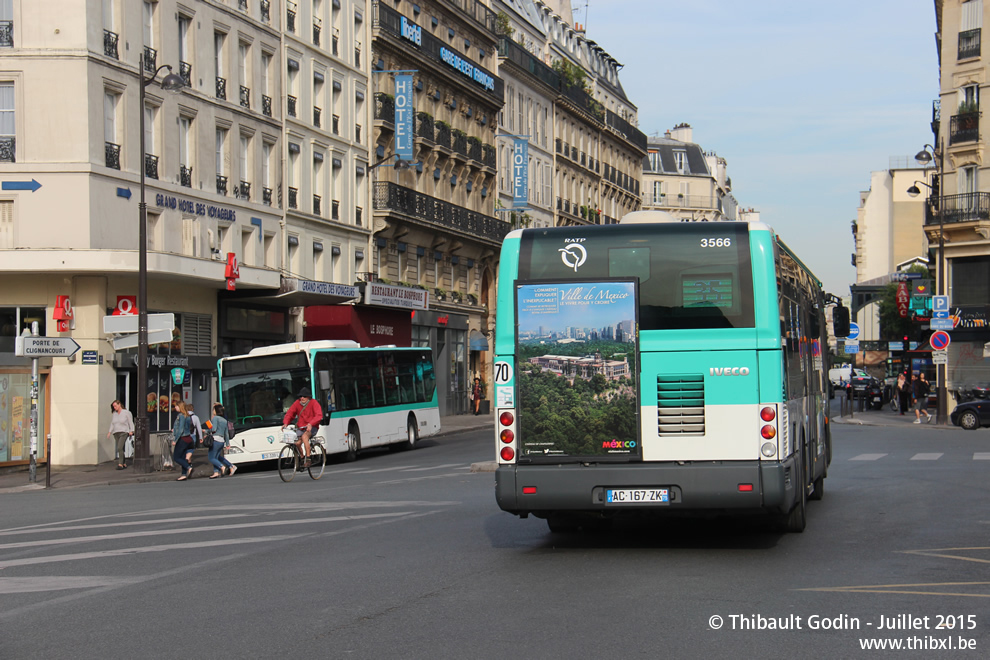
column 196, row 530
column 27, row 585
column 867, row 457
column 435, row 467
column 103, row 554
column 388, row 469
column 905, row 589
column 446, row 475
column 926, row 457
column 981, row 456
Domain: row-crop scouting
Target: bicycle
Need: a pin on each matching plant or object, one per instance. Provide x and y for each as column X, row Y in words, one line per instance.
column 292, row 460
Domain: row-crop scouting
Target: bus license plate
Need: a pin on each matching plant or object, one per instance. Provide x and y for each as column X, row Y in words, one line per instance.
column 637, row 496
column 271, row 454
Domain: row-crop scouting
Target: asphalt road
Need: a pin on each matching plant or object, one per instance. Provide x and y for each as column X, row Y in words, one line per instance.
column 405, row 555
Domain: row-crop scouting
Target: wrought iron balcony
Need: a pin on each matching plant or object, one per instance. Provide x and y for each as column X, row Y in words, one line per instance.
column 316, row 204
column 489, row 156
column 266, row 196
column 185, row 176
column 266, row 105
column 293, row 198
column 185, row 72
column 442, row 134
column 335, row 209
column 317, row 28
column 290, row 105
column 964, row 127
column 290, row 18
column 384, row 107
column 244, row 190
column 8, row 149
column 242, row 5
column 266, row 11
column 437, row 213
column 110, row 40
column 357, row 57
column 334, row 46
column 317, row 116
column 151, row 166
column 6, row 34
column 424, row 126
column 112, row 155
column 474, row 149
column 221, row 88
column 969, row 44
column 245, row 96
column 221, row 184
column 358, row 211
column 150, row 59
column 336, row 125
column 460, row 142
column 968, row 207
column 357, row 133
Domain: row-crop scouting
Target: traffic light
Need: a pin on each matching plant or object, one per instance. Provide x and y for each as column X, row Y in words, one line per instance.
column 907, row 343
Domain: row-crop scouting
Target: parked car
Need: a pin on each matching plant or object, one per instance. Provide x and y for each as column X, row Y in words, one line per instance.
column 971, row 415
column 869, row 388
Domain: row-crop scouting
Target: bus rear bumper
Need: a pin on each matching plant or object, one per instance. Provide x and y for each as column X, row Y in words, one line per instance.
column 736, row 486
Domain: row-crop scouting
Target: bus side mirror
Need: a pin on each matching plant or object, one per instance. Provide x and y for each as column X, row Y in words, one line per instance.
column 840, row 321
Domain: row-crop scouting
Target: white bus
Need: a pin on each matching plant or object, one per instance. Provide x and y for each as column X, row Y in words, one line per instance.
column 370, row 396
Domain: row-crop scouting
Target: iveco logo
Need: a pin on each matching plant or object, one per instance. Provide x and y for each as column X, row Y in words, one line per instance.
column 729, row 371
column 573, row 255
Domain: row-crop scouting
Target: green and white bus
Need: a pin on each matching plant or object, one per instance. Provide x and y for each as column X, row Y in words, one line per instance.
column 370, row 396
column 658, row 367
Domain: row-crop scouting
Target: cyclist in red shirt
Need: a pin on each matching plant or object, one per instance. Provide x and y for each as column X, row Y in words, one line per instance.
column 310, row 415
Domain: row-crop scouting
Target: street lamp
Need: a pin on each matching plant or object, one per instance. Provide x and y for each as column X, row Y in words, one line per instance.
column 171, row 83
column 932, row 155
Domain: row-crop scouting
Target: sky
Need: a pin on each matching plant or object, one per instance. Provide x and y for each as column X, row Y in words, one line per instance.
column 802, row 99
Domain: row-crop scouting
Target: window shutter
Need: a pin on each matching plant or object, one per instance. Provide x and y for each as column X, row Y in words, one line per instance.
column 197, row 334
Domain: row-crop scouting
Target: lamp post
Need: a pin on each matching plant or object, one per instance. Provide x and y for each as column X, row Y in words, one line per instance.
column 932, row 155
column 142, row 450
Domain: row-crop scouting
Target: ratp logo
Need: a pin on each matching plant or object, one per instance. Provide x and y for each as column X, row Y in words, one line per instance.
column 271, row 439
column 573, row 256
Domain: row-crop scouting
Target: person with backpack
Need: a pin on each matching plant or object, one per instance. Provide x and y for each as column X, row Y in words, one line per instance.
column 220, row 439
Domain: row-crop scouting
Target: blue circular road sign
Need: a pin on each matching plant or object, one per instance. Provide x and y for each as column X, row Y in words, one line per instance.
column 940, row 340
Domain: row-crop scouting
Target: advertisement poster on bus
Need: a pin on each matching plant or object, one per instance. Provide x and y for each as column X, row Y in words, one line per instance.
column 576, row 351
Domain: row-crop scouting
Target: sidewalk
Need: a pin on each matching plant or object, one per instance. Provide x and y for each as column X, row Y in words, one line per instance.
column 886, row 417
column 105, row 474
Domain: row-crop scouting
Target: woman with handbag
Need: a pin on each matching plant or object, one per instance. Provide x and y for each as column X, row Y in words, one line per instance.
column 217, row 441
column 122, row 427
column 182, row 440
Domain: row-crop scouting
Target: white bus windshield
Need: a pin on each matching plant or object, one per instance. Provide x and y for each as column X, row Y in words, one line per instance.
column 258, row 390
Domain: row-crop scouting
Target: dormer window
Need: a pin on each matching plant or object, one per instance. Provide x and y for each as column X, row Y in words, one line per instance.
column 679, row 159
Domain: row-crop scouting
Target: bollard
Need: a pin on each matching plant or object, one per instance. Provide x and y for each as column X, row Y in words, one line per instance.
column 48, row 461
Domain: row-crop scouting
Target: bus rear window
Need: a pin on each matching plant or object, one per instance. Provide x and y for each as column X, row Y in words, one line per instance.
column 691, row 276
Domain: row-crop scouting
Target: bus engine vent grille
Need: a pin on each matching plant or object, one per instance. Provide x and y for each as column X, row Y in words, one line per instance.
column 681, row 404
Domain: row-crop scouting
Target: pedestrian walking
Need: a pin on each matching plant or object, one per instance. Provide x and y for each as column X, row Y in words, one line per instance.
column 122, row 427
column 197, row 425
column 901, row 392
column 921, row 390
column 476, row 396
column 221, row 440
column 182, row 440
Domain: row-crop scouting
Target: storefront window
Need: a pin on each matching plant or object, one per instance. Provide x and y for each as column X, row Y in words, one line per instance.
column 15, row 417
column 13, row 322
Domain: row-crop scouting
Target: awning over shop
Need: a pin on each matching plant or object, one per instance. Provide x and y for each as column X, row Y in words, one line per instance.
column 295, row 292
column 478, row 341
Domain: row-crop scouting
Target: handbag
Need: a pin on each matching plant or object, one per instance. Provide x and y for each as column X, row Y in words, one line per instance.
column 208, row 441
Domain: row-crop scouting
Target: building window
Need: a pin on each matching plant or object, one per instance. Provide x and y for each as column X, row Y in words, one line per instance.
column 7, row 123
column 221, row 161
column 185, row 163
column 112, row 152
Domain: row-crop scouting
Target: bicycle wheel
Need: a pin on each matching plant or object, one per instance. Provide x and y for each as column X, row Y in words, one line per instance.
column 318, row 460
column 288, row 460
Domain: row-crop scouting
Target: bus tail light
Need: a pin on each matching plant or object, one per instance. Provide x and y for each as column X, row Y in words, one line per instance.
column 506, row 431
column 768, row 430
column 745, row 488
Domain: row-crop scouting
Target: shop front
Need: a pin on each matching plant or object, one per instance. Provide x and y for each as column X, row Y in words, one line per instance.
column 15, row 388
column 447, row 336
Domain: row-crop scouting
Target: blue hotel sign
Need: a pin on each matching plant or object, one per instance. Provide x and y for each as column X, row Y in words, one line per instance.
column 520, row 172
column 411, row 31
column 195, row 208
column 465, row 67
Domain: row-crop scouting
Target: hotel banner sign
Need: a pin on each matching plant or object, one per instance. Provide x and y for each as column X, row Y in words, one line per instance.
column 404, row 117
column 387, row 295
column 520, row 172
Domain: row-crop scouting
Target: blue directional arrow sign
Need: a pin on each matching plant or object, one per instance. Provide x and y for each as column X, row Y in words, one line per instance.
column 124, row 192
column 31, row 185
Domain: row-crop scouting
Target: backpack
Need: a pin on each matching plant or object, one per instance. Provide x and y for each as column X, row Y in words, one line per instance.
column 231, row 432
